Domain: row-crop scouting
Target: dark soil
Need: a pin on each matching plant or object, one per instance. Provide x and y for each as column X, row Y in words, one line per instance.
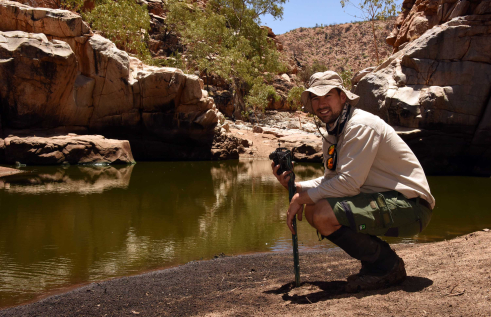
column 449, row 278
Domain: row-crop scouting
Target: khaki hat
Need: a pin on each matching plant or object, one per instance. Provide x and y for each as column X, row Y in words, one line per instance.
column 322, row 83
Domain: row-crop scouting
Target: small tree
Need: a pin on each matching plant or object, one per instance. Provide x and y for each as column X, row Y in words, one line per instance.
column 260, row 95
column 124, row 22
column 346, row 76
column 224, row 38
column 373, row 10
column 294, row 97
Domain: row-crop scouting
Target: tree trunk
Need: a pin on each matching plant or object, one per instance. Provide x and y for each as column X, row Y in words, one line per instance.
column 239, row 104
column 375, row 42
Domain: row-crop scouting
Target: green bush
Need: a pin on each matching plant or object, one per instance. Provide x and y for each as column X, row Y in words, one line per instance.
column 260, row 95
column 124, row 22
column 294, row 97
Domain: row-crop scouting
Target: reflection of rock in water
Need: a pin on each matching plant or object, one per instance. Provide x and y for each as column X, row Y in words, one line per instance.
column 76, row 179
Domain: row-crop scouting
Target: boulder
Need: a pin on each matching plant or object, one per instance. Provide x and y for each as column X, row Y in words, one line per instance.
column 51, row 22
column 438, row 85
column 71, row 148
column 257, row 129
column 282, row 84
column 37, row 80
column 306, row 148
column 360, row 74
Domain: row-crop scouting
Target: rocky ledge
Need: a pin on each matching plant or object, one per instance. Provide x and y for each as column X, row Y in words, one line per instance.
column 71, row 148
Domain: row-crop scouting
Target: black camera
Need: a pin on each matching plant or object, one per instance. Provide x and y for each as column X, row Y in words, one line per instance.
column 282, row 157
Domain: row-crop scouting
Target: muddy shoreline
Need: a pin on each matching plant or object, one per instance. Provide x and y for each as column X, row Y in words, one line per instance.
column 447, row 278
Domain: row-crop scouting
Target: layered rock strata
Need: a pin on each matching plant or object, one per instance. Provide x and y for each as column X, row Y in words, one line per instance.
column 437, row 92
column 56, row 74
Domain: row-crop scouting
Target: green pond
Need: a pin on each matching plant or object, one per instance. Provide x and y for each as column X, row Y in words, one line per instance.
column 65, row 226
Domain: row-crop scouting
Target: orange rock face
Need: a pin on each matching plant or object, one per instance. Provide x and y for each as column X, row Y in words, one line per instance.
column 418, row 16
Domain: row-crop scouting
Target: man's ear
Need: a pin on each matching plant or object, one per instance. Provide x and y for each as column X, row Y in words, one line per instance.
column 343, row 97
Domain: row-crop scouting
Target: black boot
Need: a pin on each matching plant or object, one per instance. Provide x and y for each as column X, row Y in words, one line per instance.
column 381, row 266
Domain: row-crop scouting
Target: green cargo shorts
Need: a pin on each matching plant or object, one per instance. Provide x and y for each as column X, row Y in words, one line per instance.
column 387, row 214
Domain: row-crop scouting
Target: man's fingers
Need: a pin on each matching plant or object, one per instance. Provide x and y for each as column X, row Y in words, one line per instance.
column 275, row 168
column 290, row 225
column 289, row 220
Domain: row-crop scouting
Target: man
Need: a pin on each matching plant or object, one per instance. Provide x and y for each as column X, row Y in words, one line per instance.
column 373, row 185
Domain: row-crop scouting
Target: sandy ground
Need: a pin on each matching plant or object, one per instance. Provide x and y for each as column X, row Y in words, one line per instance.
column 448, row 278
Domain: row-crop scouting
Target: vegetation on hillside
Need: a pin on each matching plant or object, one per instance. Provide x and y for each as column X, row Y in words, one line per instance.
column 344, row 48
column 225, row 39
column 373, row 10
column 128, row 31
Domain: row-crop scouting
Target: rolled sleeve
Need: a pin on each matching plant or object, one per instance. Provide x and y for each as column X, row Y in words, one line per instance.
column 355, row 157
column 306, row 185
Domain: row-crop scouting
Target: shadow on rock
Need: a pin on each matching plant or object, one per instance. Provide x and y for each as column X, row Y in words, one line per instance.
column 313, row 292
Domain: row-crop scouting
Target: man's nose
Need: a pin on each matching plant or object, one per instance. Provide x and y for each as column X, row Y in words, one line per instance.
column 322, row 102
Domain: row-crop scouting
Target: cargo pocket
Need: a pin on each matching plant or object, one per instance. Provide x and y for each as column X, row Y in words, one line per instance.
column 385, row 211
column 358, row 214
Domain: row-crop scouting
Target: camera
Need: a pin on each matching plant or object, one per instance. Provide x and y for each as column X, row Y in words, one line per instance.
column 282, row 157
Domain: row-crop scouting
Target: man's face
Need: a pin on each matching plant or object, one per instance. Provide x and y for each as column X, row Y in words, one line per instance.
column 328, row 107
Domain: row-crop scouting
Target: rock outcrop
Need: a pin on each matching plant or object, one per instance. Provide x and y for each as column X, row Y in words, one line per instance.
column 72, row 148
column 418, row 16
column 71, row 79
column 436, row 91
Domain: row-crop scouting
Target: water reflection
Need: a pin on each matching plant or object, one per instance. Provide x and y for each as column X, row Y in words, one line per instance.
column 77, row 179
column 64, row 226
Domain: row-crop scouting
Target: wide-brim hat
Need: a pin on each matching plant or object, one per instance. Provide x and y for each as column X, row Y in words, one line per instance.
column 322, row 83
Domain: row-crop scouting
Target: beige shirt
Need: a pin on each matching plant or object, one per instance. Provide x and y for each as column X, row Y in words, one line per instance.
column 371, row 158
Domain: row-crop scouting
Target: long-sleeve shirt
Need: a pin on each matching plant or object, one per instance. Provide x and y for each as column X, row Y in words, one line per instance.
column 371, row 158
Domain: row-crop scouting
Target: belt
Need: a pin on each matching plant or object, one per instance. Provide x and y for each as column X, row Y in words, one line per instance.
column 422, row 202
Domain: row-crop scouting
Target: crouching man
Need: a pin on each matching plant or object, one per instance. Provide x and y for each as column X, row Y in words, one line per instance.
column 373, row 185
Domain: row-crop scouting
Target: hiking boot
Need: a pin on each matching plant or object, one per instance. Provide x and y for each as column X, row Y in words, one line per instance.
column 370, row 281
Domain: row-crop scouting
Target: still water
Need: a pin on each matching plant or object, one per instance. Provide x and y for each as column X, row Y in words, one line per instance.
column 66, row 226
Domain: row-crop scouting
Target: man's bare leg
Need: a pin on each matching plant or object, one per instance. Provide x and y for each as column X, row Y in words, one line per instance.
column 322, row 217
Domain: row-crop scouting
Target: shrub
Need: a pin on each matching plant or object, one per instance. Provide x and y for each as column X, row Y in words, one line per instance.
column 294, row 97
column 259, row 96
column 125, row 22
column 346, row 76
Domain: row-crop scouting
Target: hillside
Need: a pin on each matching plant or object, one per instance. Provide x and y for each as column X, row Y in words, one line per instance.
column 338, row 46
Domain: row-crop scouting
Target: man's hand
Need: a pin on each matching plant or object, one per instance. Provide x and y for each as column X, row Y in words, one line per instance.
column 296, row 208
column 282, row 178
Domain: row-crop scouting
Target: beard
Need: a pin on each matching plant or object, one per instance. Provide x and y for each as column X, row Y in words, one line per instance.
column 330, row 120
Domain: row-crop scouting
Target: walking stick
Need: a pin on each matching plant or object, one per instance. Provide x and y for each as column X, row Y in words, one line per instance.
column 296, row 264
column 283, row 157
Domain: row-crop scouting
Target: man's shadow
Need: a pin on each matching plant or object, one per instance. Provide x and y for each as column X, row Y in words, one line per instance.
column 313, row 292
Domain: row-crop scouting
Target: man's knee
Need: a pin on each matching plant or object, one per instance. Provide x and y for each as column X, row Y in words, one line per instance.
column 322, row 217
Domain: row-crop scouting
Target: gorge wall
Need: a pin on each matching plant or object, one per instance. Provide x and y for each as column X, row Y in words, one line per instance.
column 56, row 76
column 436, row 88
